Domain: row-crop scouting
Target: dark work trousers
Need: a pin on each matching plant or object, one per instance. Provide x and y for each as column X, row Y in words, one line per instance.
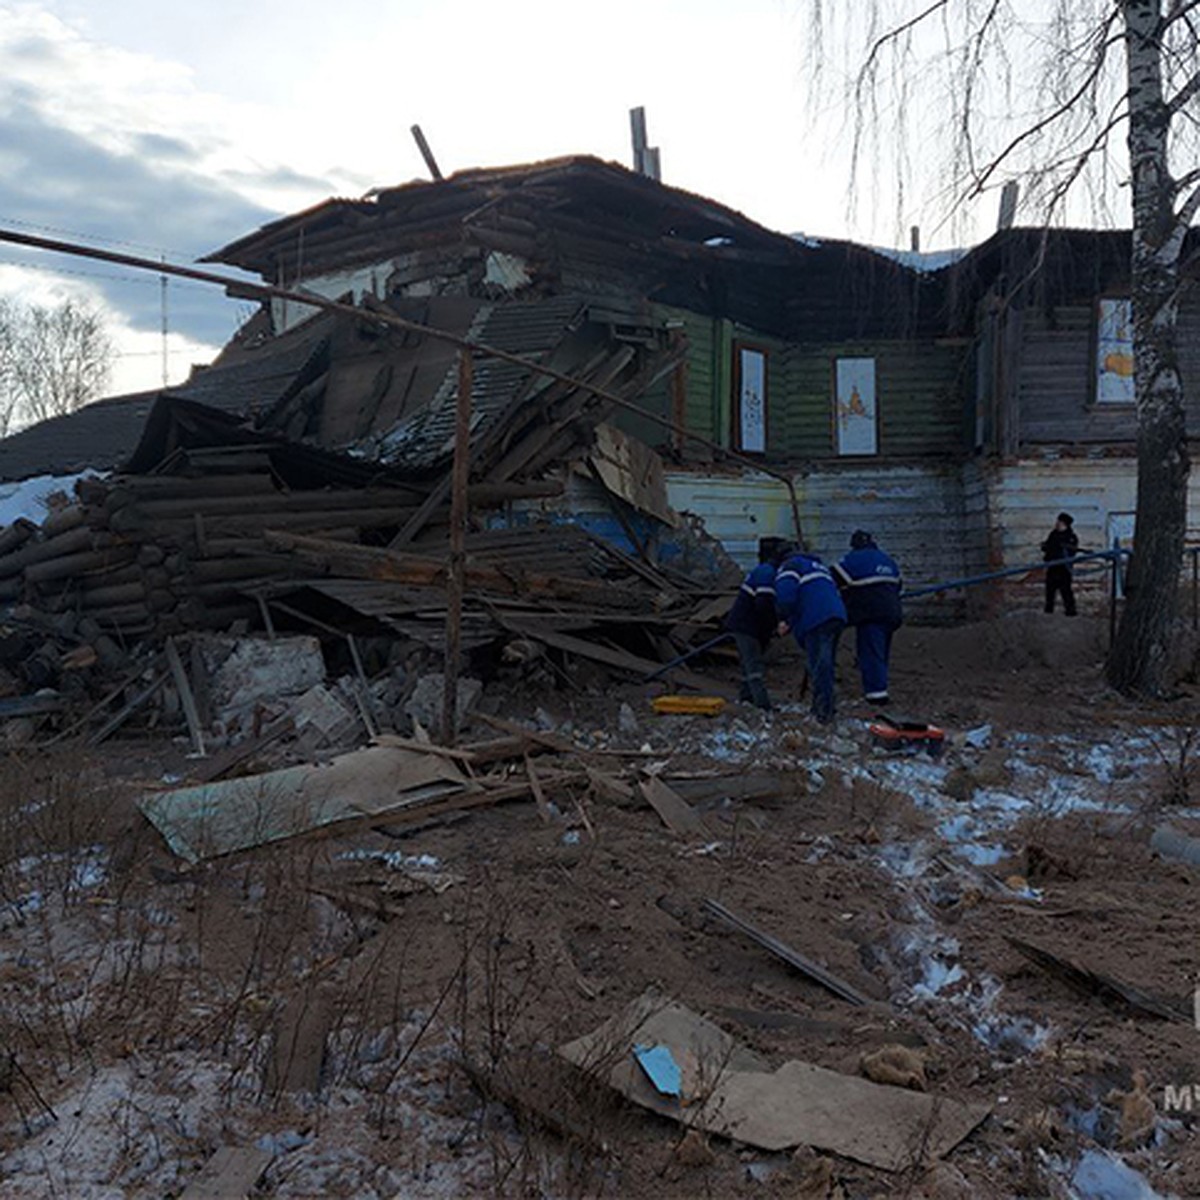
column 874, row 649
column 754, row 683
column 1058, row 579
column 820, row 646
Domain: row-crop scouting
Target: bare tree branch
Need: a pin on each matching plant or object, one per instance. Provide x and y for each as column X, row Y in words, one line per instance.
column 1189, row 208
column 52, row 360
column 1054, row 115
column 1185, row 94
column 894, row 35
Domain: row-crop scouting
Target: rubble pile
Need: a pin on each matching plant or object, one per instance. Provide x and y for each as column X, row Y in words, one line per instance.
column 231, row 539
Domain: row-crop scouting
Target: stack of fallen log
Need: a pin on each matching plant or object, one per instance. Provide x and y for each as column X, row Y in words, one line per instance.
column 165, row 553
column 142, row 557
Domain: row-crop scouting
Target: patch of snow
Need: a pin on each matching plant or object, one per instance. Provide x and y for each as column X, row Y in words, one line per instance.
column 934, row 958
column 925, row 262
column 979, row 737
column 27, row 498
column 1102, row 1175
column 396, row 859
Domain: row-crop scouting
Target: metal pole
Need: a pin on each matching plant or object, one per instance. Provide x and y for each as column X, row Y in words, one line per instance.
column 1024, row 569
column 458, row 532
column 677, row 662
column 261, row 291
column 1112, row 593
column 1195, row 587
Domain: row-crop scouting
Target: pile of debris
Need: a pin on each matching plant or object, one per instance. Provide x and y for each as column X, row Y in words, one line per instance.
column 232, row 539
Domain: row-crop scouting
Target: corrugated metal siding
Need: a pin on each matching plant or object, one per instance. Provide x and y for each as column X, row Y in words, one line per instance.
column 917, row 514
column 1055, row 377
column 1028, row 495
column 531, row 329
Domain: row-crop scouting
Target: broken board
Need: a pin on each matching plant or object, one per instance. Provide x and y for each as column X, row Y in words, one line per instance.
column 229, row 1174
column 213, row 819
column 677, row 815
column 728, row 1090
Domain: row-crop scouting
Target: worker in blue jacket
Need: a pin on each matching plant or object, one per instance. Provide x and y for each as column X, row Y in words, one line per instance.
column 752, row 620
column 809, row 604
column 870, row 583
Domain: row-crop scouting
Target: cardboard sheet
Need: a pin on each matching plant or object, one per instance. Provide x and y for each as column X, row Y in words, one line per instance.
column 212, row 819
column 728, row 1090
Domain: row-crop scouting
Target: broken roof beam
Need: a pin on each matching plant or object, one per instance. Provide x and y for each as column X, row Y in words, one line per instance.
column 371, row 562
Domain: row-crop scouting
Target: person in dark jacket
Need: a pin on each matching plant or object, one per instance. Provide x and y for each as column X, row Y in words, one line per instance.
column 752, row 620
column 1062, row 543
column 870, row 583
column 808, row 603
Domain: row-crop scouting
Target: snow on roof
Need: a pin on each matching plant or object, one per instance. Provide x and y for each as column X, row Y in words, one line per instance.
column 924, row 261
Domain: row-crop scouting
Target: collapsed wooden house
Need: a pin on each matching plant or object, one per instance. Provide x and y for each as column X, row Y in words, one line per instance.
column 752, row 381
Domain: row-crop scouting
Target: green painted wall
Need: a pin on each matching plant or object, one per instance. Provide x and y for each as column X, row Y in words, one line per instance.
column 919, row 392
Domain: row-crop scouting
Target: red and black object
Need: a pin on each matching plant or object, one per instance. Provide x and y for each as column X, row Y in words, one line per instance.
column 899, row 735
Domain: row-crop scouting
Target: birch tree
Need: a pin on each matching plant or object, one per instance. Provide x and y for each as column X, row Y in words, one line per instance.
column 1087, row 102
column 53, row 360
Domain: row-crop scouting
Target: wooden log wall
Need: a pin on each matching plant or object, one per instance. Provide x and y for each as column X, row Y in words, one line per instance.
column 157, row 554
column 145, row 554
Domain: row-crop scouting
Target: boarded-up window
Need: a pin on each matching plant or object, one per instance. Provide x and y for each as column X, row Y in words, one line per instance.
column 1114, row 352
column 854, row 406
column 750, row 400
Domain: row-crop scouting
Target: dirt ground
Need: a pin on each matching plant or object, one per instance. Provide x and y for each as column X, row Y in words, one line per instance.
column 380, row 1014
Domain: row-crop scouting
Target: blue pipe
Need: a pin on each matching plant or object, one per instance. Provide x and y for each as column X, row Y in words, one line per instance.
column 969, row 580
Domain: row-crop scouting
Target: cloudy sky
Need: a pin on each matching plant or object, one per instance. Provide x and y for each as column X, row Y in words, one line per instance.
column 169, row 129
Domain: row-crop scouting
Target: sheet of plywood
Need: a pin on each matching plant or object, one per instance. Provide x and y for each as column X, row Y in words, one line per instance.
column 212, row 819
column 676, row 813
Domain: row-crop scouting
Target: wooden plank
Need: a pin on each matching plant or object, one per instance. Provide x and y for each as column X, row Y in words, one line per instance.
column 677, row 815
column 229, row 1174
column 806, row 966
column 456, row 566
column 298, row 1048
column 226, row 761
column 412, row 570
column 620, row 659
column 1096, row 983
column 186, row 697
column 118, row 719
column 535, row 786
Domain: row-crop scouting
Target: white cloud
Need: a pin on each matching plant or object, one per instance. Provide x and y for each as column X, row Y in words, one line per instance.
column 137, row 364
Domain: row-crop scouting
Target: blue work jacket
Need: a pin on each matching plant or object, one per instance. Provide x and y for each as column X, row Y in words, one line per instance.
column 805, row 594
column 871, row 586
column 753, row 611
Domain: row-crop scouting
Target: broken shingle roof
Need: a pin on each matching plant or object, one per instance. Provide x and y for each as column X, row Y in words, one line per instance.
column 242, row 382
column 99, row 435
column 425, row 438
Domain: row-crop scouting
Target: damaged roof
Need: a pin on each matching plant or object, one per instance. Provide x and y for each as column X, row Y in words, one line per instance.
column 584, row 226
column 99, row 435
column 251, row 376
column 579, row 185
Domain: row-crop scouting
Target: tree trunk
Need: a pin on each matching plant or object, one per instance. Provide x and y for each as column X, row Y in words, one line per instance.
column 1138, row 664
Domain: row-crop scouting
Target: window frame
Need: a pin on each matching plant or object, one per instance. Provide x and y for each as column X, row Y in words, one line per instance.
column 737, row 436
column 1095, row 364
column 834, row 414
